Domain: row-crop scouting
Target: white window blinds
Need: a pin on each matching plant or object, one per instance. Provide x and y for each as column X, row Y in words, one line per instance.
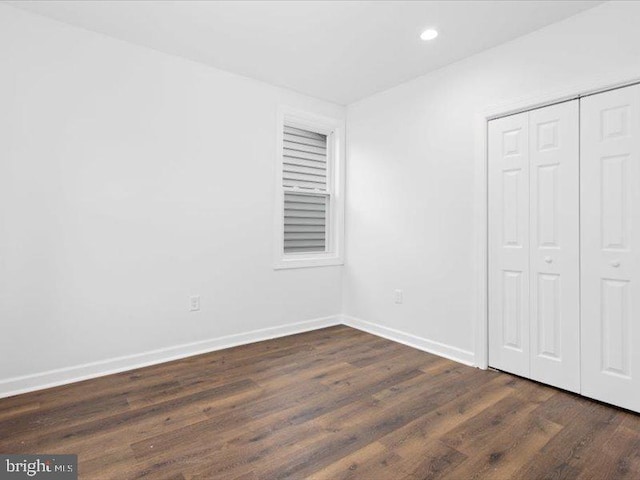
column 306, row 191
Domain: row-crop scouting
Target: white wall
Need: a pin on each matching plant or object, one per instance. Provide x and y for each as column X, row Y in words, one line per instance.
column 410, row 177
column 129, row 180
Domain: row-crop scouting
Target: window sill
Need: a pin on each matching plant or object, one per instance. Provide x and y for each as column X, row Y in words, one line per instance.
column 308, row 262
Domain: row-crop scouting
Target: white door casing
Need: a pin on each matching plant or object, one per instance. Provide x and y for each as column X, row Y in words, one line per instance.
column 610, row 230
column 554, row 245
column 508, row 279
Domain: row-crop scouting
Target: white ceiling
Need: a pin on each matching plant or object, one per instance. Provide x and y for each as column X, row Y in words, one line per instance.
column 340, row 51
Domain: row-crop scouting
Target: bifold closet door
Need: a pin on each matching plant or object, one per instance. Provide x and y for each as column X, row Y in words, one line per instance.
column 555, row 245
column 508, row 176
column 534, row 284
column 610, row 223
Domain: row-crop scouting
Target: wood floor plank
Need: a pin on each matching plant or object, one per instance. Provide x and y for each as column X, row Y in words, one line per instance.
column 567, row 454
column 331, row 404
column 415, row 440
column 374, row 462
column 618, row 457
column 15, row 410
column 505, row 452
column 432, row 461
column 86, row 425
column 478, row 432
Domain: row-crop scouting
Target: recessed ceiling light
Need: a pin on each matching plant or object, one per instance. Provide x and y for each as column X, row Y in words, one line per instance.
column 429, row 34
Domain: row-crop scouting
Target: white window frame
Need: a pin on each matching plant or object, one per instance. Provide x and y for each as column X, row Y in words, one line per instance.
column 334, row 129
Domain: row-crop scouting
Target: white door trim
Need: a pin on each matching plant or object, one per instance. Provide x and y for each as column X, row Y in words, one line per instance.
column 590, row 86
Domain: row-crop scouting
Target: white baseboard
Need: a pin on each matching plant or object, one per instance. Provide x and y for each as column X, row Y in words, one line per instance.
column 437, row 348
column 62, row 376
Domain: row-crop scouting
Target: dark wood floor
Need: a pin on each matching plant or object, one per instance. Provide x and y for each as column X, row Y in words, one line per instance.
column 331, row 404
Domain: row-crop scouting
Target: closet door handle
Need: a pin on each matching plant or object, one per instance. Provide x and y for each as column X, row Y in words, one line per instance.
column 615, row 264
column 548, row 259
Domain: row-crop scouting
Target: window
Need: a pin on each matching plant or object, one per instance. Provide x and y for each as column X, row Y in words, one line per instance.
column 309, row 209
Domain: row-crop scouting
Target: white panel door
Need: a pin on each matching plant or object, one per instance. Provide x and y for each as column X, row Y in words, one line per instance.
column 554, row 245
column 508, row 176
column 610, row 224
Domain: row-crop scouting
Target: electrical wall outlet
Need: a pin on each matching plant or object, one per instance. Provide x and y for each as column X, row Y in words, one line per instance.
column 194, row 303
column 398, row 296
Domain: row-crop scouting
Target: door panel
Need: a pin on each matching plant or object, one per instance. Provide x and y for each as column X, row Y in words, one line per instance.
column 610, row 224
column 554, row 248
column 509, row 244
